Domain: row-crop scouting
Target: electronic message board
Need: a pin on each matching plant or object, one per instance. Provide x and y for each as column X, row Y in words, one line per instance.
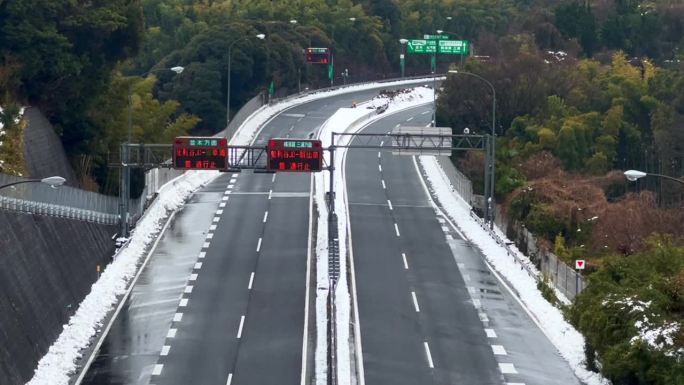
column 200, row 153
column 303, row 155
column 318, row 55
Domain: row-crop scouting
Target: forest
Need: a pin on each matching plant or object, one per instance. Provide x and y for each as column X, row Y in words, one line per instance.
column 584, row 90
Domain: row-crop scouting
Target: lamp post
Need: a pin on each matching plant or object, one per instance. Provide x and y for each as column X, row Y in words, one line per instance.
column 124, row 188
column 53, row 181
column 260, row 36
column 633, row 175
column 489, row 191
column 331, row 66
column 402, row 57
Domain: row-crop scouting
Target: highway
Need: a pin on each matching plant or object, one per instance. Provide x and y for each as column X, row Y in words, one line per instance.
column 222, row 298
column 430, row 311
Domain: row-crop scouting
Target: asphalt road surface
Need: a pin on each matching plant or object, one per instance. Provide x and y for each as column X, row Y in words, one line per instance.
column 430, row 311
column 222, row 299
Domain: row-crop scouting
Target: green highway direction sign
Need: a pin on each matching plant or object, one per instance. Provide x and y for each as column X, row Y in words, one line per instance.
column 454, row 47
column 451, row 47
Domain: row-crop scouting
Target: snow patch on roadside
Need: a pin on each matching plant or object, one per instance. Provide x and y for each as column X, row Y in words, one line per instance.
column 568, row 341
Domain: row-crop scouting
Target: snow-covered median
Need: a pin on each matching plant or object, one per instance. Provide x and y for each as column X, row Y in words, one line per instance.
column 568, row 341
column 347, row 120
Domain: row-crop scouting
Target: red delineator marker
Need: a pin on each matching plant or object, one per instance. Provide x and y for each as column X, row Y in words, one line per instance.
column 580, row 264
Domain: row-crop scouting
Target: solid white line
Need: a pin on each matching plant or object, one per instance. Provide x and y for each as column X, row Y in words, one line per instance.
column 165, row 350
column 490, row 333
column 383, row 184
column 429, row 356
column 198, row 265
column 265, row 216
column 403, row 256
column 396, row 229
column 390, row 204
column 380, row 167
column 507, row 368
column 157, row 369
column 124, row 299
column 188, row 289
column 193, row 277
column 499, row 350
column 183, row 302
column 177, row 317
column 251, row 280
column 202, row 254
column 171, row 333
column 242, row 322
column 230, row 379
column 258, row 245
column 222, row 204
column 415, row 301
column 305, row 333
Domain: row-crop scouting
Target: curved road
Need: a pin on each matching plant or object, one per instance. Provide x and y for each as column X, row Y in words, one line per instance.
column 430, row 311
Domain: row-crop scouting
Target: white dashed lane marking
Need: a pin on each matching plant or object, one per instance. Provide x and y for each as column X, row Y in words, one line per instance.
column 165, row 350
column 415, row 302
column 177, row 317
column 390, row 205
column 225, row 199
column 193, row 277
column 171, row 333
column 258, row 245
column 383, row 184
column 216, row 219
column 230, row 379
column 265, row 216
column 429, row 356
column 210, row 235
column 251, row 281
column 157, row 369
column 507, row 368
column 409, row 119
column 198, row 265
column 273, row 179
column 222, row 204
column 183, row 302
column 202, row 254
column 490, row 333
column 396, row 230
column 499, row 350
column 379, row 154
column 206, row 245
column 212, row 227
column 242, row 322
column 380, row 167
column 219, row 212
column 403, row 256
column 188, row 289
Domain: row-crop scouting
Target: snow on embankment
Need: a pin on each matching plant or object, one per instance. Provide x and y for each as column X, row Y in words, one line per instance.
column 568, row 341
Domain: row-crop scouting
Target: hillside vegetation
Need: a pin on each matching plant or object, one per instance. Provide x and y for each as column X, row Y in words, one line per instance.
column 585, row 90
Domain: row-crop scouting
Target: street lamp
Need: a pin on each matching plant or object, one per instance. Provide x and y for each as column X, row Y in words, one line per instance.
column 52, row 181
column 259, row 36
column 293, row 21
column 402, row 57
column 124, row 188
column 633, row 175
column 489, row 191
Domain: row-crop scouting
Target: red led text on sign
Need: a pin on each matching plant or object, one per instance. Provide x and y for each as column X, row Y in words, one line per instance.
column 318, row 55
column 295, row 155
column 200, row 153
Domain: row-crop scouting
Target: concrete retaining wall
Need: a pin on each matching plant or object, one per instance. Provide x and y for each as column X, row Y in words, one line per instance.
column 47, row 266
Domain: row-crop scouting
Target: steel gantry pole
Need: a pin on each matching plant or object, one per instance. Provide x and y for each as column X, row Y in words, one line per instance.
column 490, row 204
